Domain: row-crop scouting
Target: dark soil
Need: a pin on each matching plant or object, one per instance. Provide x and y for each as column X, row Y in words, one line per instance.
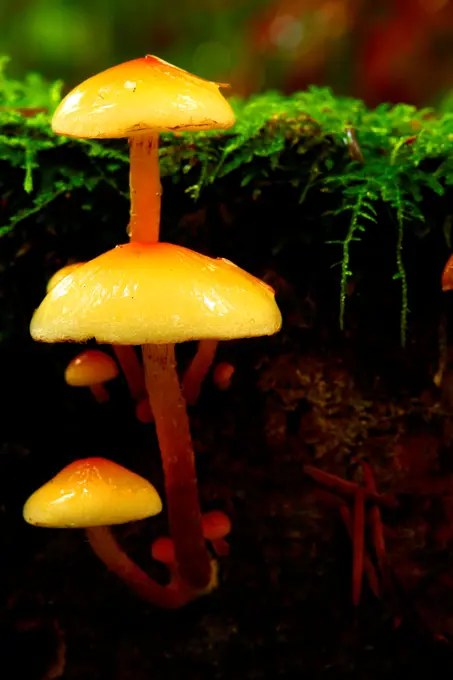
column 283, row 608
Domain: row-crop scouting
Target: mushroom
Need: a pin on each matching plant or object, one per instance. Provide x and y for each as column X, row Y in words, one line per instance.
column 140, row 99
column 223, row 375
column 92, row 368
column 216, row 525
column 163, row 551
column 93, row 494
column 156, row 295
column 193, row 297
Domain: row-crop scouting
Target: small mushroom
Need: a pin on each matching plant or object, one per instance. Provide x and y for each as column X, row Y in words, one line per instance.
column 143, row 411
column 92, row 368
column 216, row 525
column 223, row 375
column 92, row 492
column 126, row 356
column 163, row 551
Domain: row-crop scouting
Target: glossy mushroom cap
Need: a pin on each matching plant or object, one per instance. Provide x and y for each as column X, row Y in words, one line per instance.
column 89, row 493
column 91, row 367
column 139, row 95
column 157, row 293
column 60, row 274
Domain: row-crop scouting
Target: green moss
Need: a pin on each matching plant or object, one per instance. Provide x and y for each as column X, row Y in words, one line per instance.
column 346, row 163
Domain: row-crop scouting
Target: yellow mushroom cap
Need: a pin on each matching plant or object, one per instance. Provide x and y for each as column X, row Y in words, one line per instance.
column 92, row 492
column 139, row 95
column 91, row 367
column 60, row 274
column 158, row 293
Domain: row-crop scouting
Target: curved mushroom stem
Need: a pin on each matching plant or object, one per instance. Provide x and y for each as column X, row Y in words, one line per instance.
column 198, row 370
column 104, row 545
column 145, row 187
column 173, row 433
column 100, row 393
column 132, row 369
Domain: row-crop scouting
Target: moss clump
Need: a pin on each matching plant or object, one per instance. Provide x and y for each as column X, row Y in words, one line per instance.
column 344, row 166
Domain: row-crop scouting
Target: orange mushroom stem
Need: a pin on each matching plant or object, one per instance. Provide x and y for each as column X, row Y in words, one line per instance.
column 132, row 370
column 178, row 460
column 447, row 275
column 176, row 594
column 198, row 370
column 145, row 187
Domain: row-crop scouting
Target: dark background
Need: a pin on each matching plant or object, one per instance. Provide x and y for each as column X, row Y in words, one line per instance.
column 389, row 50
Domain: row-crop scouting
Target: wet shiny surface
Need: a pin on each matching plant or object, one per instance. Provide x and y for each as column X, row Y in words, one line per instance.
column 156, row 293
column 60, row 274
column 91, row 367
column 92, row 492
column 139, row 95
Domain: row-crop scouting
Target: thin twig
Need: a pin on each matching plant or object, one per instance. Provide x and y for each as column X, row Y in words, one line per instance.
column 358, row 546
column 368, row 566
column 347, row 487
column 377, row 526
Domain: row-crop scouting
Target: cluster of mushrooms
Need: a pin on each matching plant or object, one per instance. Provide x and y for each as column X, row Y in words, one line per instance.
column 149, row 294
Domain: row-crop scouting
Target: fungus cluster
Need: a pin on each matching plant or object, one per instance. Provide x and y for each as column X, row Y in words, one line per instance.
column 149, row 294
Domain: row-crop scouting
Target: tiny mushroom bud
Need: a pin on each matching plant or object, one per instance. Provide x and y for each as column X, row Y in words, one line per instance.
column 163, row 550
column 143, row 411
column 92, row 369
column 223, row 374
column 216, row 525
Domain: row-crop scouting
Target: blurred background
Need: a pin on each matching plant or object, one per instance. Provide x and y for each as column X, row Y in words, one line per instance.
column 383, row 50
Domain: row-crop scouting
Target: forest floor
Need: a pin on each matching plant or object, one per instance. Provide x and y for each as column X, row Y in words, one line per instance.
column 284, row 604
